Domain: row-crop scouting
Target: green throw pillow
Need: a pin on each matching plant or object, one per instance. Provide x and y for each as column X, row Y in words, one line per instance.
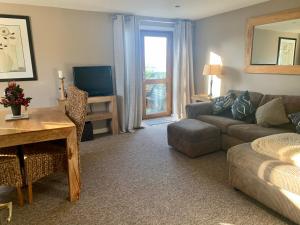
column 242, row 108
column 223, row 103
column 272, row 113
column 295, row 118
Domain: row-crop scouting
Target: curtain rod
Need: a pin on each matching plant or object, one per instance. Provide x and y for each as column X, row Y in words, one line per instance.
column 157, row 21
column 151, row 19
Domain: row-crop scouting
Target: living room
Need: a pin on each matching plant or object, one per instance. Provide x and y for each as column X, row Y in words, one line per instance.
column 188, row 126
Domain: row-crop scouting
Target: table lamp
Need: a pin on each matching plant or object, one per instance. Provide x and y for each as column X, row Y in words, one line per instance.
column 210, row 70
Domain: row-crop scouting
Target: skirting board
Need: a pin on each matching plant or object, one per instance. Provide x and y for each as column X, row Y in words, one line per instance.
column 101, row 130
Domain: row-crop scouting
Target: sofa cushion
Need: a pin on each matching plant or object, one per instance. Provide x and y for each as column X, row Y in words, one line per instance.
column 223, row 103
column 227, row 113
column 195, row 109
column 285, row 147
column 271, row 114
column 281, row 174
column 295, row 118
column 291, row 103
column 250, row 132
column 242, row 107
column 255, row 97
column 222, row 122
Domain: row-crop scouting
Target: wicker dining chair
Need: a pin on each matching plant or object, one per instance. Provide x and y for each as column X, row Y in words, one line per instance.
column 10, row 174
column 43, row 159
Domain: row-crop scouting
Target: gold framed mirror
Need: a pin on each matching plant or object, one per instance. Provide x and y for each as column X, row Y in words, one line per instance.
column 273, row 43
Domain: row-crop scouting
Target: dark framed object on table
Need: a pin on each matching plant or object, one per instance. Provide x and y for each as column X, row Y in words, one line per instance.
column 286, row 51
column 17, row 61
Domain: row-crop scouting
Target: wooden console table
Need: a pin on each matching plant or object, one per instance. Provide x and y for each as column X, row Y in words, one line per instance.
column 111, row 112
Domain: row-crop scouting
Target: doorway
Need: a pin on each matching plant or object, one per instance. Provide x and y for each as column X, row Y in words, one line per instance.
column 157, row 50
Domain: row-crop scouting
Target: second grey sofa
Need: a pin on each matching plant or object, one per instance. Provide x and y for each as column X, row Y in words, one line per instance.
column 270, row 181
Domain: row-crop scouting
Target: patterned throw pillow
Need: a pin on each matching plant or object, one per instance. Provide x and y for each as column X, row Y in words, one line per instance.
column 295, row 118
column 222, row 103
column 242, row 107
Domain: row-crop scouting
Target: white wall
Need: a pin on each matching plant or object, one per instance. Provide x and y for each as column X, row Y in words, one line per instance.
column 62, row 39
column 225, row 35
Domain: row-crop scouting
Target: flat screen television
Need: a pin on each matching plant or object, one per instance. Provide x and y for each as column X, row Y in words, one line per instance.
column 95, row 80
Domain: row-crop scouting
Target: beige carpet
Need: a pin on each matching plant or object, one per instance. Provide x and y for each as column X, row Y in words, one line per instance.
column 137, row 179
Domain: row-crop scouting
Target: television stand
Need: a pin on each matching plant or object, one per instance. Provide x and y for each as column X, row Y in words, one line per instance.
column 110, row 113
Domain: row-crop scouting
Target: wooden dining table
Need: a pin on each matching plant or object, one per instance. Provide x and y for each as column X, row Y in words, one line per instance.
column 45, row 124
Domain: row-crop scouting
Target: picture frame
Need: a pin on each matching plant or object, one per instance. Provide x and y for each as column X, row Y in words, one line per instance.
column 17, row 60
column 286, row 51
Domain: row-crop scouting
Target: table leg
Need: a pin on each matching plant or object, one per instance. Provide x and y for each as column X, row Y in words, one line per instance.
column 73, row 166
column 20, row 154
column 114, row 121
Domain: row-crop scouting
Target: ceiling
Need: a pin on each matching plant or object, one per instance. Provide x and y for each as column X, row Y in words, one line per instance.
column 188, row 9
column 292, row 26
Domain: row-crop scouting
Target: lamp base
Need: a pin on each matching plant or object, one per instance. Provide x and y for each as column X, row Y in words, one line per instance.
column 211, row 86
column 62, row 89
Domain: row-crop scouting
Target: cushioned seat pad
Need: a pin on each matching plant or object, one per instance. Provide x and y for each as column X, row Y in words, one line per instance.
column 283, row 175
column 222, row 122
column 250, row 132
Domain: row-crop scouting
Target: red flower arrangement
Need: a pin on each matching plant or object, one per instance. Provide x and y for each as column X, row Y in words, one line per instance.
column 14, row 96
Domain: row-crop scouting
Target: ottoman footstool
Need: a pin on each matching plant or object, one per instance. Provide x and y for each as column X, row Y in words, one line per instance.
column 193, row 137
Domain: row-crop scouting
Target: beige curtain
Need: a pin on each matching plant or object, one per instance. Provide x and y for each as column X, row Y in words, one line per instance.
column 183, row 74
column 127, row 72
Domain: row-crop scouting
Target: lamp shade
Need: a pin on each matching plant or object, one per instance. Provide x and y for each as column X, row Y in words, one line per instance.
column 210, row 69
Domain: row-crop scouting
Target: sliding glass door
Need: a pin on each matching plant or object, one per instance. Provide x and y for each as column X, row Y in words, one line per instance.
column 157, row 73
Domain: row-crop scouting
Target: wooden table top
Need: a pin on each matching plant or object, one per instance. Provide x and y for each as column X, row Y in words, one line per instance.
column 40, row 119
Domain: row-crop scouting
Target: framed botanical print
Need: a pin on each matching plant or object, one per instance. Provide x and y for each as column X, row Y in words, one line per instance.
column 17, row 60
column 286, row 51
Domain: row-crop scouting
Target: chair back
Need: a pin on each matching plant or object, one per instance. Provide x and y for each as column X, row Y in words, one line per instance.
column 76, row 108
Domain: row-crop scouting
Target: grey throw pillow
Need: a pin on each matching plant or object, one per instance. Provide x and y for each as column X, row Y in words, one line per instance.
column 295, row 118
column 272, row 113
column 242, row 108
column 222, row 103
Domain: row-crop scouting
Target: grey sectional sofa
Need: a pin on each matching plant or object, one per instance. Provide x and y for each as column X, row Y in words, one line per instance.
column 234, row 132
column 273, row 182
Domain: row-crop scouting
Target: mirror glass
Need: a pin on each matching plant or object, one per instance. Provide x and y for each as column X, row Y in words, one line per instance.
column 276, row 43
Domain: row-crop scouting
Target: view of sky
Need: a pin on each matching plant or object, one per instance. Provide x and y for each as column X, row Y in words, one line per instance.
column 155, row 53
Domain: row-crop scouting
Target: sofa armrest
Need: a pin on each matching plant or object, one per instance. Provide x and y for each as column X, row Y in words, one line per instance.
column 196, row 109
